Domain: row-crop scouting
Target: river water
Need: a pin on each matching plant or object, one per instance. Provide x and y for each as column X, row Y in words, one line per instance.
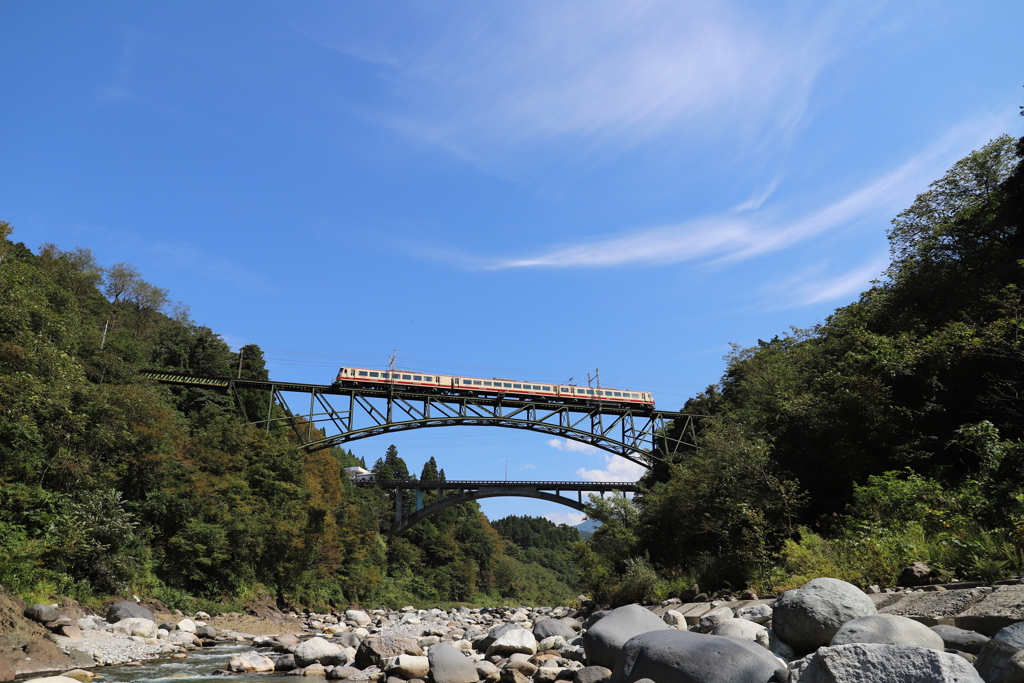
column 202, row 664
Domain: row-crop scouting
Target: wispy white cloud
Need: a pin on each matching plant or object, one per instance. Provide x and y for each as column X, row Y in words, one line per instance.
column 493, row 78
column 817, row 284
column 570, row 518
column 528, row 466
column 729, row 237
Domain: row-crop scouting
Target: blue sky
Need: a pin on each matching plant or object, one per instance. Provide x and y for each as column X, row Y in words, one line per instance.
column 521, row 189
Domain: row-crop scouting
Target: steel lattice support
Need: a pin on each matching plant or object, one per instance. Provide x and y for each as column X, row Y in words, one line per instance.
column 353, row 414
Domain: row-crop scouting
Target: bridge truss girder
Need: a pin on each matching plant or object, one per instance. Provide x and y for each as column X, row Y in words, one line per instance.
column 627, row 432
column 358, row 413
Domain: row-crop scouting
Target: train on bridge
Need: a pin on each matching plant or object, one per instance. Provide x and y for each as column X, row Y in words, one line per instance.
column 497, row 387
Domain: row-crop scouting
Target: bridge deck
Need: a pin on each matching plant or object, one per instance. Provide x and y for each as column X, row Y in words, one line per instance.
column 476, row 484
column 383, row 393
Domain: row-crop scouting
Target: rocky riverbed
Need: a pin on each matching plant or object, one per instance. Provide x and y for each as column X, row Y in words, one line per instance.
column 825, row 632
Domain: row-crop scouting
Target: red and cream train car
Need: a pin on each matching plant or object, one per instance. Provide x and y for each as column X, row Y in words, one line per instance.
column 564, row 393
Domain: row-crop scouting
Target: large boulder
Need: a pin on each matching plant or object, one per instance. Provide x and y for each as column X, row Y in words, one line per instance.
column 673, row 656
column 448, row 665
column 605, row 638
column 545, row 628
column 888, row 629
column 1001, row 659
column 515, row 641
column 316, row 650
column 41, row 613
column 877, row 663
column 135, row 626
column 375, row 649
column 960, row 639
column 808, row 617
column 126, row 610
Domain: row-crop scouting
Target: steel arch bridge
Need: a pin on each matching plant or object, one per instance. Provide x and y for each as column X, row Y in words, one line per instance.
column 358, row 413
column 456, row 491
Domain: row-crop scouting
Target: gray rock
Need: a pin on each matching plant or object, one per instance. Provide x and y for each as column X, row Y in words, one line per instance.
column 592, row 674
column 517, row 640
column 877, row 663
column 127, row 609
column 673, row 656
column 545, row 628
column 207, row 632
column 41, row 613
column 1000, row 662
column 917, row 574
column 932, row 608
column 888, row 629
column 360, row 617
column 284, row 662
column 347, row 640
column 759, row 614
column 341, row 672
column 997, row 610
column 493, row 634
column 712, row 619
column 448, row 665
column 594, row 618
column 604, row 639
column 316, row 650
column 374, row 649
column 1012, row 634
column 808, row 617
column 960, row 639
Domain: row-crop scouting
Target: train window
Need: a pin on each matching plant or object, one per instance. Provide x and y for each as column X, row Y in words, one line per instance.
column 374, row 374
column 517, row 386
column 546, row 388
column 406, row 376
column 362, row 373
column 417, row 378
column 636, row 395
column 487, row 384
column 477, row 383
column 618, row 393
column 508, row 385
column 536, row 387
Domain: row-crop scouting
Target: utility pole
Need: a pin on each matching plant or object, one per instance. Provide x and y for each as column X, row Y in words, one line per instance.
column 506, row 470
column 241, row 354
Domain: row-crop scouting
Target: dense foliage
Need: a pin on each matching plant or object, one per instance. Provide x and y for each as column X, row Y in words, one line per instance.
column 112, row 483
column 889, row 433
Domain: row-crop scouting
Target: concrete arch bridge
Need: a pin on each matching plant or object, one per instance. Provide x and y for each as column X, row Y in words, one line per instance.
column 460, row 491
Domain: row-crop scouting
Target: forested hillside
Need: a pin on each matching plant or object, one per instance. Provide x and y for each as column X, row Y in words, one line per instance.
column 889, row 433
column 110, row 483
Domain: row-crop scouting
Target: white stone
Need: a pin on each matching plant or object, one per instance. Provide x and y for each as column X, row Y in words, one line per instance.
column 135, row 626
column 360, row 617
column 674, row 618
column 409, row 666
column 187, row 625
column 316, row 650
column 251, row 662
column 511, row 642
